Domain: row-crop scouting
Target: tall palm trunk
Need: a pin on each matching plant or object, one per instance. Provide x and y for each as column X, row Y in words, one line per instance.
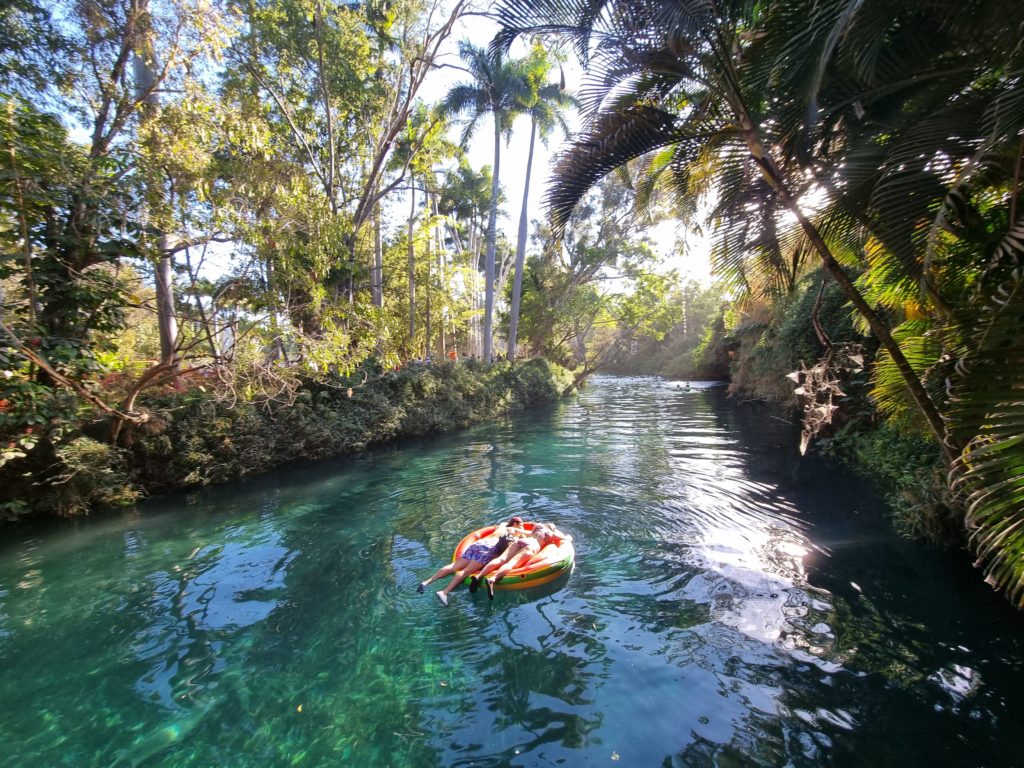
column 442, row 268
column 517, row 281
column 429, row 330
column 492, row 235
column 377, row 273
column 474, row 298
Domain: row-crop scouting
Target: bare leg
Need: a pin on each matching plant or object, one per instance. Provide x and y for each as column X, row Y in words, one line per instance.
column 446, row 570
column 511, row 564
column 504, row 557
column 457, row 579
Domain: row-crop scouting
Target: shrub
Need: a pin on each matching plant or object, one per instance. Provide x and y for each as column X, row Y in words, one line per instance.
column 908, row 471
column 767, row 351
column 202, row 436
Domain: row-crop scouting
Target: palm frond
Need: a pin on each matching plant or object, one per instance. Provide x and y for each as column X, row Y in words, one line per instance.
column 573, row 20
column 1010, row 250
column 889, row 391
column 615, row 140
column 1005, row 114
column 987, row 412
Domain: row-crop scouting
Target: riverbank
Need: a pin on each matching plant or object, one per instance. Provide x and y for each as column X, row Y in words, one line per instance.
column 206, row 434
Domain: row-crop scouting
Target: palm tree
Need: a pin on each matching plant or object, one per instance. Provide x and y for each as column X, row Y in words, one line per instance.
column 906, row 120
column 465, row 195
column 499, row 86
column 679, row 67
column 545, row 108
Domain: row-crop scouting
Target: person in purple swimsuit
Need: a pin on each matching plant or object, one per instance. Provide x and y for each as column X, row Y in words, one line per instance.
column 475, row 557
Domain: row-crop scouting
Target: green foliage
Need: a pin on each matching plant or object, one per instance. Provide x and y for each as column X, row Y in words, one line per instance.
column 30, row 411
column 79, row 475
column 208, row 440
column 883, row 139
column 91, row 475
column 771, row 344
column 33, row 50
column 500, row 87
column 595, row 289
column 206, row 434
column 67, row 216
column 910, row 474
column 694, row 348
column 987, row 409
column 466, row 192
column 709, row 358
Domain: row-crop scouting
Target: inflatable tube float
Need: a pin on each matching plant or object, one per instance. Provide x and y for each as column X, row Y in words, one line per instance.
column 554, row 560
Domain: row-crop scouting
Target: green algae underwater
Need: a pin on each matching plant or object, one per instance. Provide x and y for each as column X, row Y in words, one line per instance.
column 732, row 604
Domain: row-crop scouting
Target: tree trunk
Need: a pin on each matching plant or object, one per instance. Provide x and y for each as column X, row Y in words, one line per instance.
column 492, row 238
column 145, row 69
column 913, row 383
column 474, row 266
column 166, row 315
column 517, row 281
column 377, row 273
column 426, row 343
column 412, row 273
column 442, row 269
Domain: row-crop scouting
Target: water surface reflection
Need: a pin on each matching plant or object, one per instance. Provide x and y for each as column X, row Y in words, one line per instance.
column 731, row 605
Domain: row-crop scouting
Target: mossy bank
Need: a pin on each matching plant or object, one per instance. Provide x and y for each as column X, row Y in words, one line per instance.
column 200, row 436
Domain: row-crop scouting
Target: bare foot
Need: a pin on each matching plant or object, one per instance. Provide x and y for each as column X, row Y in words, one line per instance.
column 490, row 589
column 443, row 598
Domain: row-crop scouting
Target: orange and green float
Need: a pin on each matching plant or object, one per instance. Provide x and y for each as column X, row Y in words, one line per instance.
column 553, row 561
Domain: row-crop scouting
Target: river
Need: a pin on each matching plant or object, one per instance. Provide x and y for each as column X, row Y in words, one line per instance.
column 732, row 604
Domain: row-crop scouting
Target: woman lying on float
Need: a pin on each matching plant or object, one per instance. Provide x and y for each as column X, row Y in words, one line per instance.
column 518, row 554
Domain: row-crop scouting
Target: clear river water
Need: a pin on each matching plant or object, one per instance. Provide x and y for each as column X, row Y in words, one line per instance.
column 732, row 604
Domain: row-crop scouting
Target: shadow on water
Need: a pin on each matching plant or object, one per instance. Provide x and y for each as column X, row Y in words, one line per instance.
column 922, row 645
column 731, row 604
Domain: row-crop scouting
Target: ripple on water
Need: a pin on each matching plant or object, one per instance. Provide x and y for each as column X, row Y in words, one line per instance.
column 277, row 623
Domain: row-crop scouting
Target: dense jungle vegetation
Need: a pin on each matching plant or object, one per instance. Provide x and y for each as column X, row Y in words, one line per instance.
column 225, row 220
column 238, row 236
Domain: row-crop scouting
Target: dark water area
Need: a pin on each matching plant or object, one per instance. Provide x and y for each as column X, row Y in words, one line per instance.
column 732, row 604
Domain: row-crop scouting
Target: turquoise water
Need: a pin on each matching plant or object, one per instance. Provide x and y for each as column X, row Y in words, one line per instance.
column 731, row 605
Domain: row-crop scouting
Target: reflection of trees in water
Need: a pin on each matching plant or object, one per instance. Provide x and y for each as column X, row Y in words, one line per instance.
column 759, row 746
column 191, row 628
column 893, row 646
column 436, row 498
column 880, row 709
column 195, row 636
column 342, row 685
column 560, row 678
column 541, row 691
column 130, row 645
column 652, row 500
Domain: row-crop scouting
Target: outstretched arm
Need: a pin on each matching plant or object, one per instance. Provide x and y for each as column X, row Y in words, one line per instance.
column 560, row 534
